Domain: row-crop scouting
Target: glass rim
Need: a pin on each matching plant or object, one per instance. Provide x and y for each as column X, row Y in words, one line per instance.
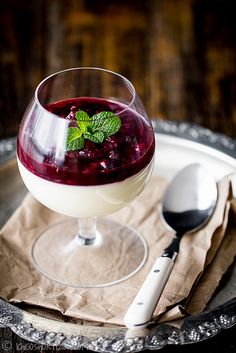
column 127, row 81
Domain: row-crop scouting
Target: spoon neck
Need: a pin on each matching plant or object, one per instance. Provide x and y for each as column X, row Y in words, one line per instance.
column 173, row 249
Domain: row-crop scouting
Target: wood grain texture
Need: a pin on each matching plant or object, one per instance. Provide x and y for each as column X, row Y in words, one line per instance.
column 180, row 55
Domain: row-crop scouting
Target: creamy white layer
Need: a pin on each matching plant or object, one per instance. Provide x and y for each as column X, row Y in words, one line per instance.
column 85, row 201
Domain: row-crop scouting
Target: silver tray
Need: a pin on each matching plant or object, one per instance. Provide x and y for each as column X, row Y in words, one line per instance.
column 177, row 145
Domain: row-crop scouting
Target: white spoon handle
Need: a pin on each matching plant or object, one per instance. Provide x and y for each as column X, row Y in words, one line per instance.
column 140, row 311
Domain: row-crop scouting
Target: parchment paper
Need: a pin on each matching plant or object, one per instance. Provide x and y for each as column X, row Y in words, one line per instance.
column 203, row 258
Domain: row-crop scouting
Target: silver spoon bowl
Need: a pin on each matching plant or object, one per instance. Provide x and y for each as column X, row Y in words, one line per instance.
column 189, row 201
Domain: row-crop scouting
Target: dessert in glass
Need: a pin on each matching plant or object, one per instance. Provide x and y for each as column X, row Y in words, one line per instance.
column 85, row 149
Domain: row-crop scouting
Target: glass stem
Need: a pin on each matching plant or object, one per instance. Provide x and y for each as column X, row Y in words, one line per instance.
column 87, row 230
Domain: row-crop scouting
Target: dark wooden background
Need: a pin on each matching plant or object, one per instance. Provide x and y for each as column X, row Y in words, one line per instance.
column 179, row 54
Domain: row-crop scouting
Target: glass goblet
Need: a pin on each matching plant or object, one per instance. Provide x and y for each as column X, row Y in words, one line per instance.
column 85, row 149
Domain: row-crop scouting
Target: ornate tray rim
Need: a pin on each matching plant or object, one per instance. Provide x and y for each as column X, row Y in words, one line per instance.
column 194, row 329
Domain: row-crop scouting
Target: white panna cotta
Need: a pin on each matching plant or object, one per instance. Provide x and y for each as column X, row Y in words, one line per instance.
column 85, row 201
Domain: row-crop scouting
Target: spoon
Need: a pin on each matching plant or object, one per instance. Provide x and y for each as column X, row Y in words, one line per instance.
column 188, row 204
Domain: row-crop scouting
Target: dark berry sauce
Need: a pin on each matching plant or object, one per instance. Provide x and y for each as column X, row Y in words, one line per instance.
column 117, row 158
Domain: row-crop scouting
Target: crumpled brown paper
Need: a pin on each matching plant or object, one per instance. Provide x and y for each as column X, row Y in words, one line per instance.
column 203, row 258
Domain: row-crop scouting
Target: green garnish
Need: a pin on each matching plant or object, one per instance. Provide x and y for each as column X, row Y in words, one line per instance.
column 97, row 129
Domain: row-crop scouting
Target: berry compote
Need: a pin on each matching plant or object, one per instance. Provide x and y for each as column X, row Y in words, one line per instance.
column 118, row 157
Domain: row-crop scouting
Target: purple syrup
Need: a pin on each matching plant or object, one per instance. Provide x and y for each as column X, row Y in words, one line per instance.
column 117, row 158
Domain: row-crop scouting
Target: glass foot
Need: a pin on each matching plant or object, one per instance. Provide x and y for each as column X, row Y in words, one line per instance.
column 117, row 253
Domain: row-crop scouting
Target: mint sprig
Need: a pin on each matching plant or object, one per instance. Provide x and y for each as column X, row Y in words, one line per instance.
column 96, row 129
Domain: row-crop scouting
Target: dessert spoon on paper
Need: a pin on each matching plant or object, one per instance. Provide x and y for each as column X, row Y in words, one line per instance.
column 188, row 204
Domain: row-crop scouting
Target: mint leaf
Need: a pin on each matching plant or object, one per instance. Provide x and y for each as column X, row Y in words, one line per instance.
column 96, row 136
column 83, row 120
column 96, row 129
column 75, row 144
column 75, row 140
column 106, row 122
column 99, row 119
column 73, row 133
